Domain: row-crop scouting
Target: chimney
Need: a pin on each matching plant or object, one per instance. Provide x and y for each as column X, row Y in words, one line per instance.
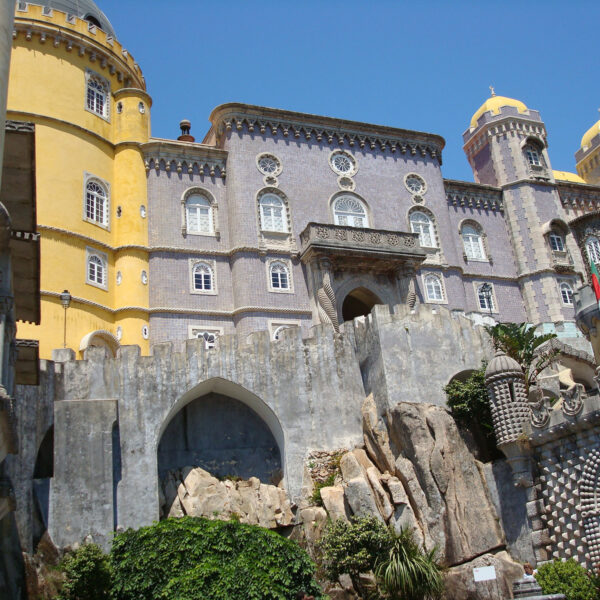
column 185, row 136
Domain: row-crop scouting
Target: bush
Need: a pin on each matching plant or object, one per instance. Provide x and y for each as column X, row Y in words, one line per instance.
column 568, row 578
column 87, row 574
column 354, row 547
column 195, row 558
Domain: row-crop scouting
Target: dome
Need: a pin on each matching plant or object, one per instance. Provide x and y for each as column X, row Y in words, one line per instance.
column 502, row 364
column 567, row 176
column 589, row 135
column 84, row 9
column 494, row 104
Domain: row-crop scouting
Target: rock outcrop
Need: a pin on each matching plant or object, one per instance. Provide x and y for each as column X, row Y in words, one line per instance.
column 195, row 492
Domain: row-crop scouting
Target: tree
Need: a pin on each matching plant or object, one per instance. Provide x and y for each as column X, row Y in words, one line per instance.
column 87, row 574
column 196, row 559
column 519, row 341
column 409, row 572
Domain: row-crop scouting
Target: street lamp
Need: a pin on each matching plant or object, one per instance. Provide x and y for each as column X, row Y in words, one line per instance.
column 486, row 291
column 65, row 300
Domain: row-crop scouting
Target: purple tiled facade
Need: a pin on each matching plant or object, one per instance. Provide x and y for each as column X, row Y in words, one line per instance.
column 512, row 207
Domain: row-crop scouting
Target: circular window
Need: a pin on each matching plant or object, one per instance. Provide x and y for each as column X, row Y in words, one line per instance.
column 346, row 183
column 415, row 184
column 343, row 163
column 268, row 164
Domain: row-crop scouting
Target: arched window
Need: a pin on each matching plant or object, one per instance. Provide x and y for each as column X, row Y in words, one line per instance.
column 272, row 213
column 533, row 151
column 592, row 246
column 557, row 242
column 280, row 276
column 533, row 156
column 202, row 276
column 473, row 242
column 97, row 95
column 279, row 330
column 566, row 293
column 350, row 211
column 420, row 223
column 485, row 297
column 96, row 268
column 96, row 203
column 198, row 215
column 434, row 290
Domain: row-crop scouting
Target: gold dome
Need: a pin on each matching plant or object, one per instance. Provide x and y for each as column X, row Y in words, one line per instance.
column 494, row 103
column 567, row 176
column 592, row 132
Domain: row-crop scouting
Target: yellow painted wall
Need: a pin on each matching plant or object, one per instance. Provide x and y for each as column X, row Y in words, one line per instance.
column 47, row 86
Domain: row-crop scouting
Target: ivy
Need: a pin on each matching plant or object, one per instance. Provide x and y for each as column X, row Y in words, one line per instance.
column 195, row 558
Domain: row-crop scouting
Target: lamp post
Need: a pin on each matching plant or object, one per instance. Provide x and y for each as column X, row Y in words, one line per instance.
column 65, row 300
column 486, row 291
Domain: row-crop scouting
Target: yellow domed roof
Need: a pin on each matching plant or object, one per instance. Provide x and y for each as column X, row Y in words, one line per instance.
column 494, row 104
column 567, row 176
column 592, row 132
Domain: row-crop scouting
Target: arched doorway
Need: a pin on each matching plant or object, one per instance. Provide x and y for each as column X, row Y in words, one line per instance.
column 359, row 302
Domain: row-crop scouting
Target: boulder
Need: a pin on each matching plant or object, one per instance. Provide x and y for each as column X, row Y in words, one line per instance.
column 333, row 500
column 381, row 498
column 458, row 514
column 460, row 583
column 360, row 497
column 376, row 437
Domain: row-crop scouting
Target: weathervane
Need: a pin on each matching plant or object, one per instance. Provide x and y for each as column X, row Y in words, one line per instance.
column 494, row 93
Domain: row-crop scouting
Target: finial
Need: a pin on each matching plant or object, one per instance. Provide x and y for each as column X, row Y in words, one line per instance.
column 492, row 90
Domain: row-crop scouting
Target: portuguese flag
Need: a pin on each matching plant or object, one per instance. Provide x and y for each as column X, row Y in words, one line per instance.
column 595, row 281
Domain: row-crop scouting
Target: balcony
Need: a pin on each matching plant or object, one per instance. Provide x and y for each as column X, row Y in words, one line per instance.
column 356, row 248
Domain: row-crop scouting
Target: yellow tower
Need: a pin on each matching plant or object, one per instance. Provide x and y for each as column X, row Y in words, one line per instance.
column 588, row 156
column 86, row 97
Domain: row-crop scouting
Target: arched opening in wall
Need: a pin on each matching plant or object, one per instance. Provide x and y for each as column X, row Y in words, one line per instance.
column 359, row 302
column 42, row 474
column 100, row 339
column 214, row 437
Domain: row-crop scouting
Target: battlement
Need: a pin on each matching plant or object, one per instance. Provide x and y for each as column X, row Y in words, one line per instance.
column 59, row 28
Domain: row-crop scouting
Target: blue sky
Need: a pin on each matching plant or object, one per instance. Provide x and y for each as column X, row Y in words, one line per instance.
column 416, row 65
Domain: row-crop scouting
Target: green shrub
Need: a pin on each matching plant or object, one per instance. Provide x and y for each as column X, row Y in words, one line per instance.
column 316, row 495
column 87, row 574
column 354, row 547
column 568, row 578
column 199, row 559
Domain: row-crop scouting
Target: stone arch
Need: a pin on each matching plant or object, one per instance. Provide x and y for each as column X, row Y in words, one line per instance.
column 184, row 438
column 461, row 375
column 359, row 302
column 589, row 495
column 382, row 294
column 101, row 338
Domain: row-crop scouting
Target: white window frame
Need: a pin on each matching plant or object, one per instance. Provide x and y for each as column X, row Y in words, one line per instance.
column 211, row 264
column 478, row 298
column 562, row 285
column 88, row 179
column 533, row 156
column 288, row 266
column 213, row 214
column 92, row 252
column 276, row 325
column 91, row 77
column 198, row 331
column 556, row 239
column 416, row 227
column 428, row 298
column 349, row 218
column 592, row 249
column 267, row 218
column 203, row 206
column 473, row 242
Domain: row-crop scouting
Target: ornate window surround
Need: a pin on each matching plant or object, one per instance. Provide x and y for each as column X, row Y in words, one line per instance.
column 337, row 195
column 592, row 239
column 536, row 161
column 92, row 252
column 439, row 276
column 102, row 81
column 563, row 284
column 483, row 241
column 200, row 191
column 423, row 191
column 485, row 311
column 286, row 209
column 288, row 265
column 352, row 172
column 434, row 229
column 89, row 178
column 211, row 264
column 275, row 158
column 198, row 331
column 276, row 325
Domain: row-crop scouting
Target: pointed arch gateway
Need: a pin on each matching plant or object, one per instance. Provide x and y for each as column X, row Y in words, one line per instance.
column 224, row 429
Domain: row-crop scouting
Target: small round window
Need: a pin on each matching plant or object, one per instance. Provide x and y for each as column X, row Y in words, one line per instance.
column 415, row 184
column 268, row 164
column 343, row 163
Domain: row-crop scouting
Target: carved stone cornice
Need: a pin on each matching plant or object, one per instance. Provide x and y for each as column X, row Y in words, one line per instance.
column 23, row 126
column 473, row 195
column 339, row 132
column 579, row 197
column 178, row 156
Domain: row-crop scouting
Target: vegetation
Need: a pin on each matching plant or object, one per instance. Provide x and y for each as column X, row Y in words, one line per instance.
column 519, row 341
column 568, row 578
column 195, row 558
column 408, row 572
column 316, row 495
column 87, row 574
